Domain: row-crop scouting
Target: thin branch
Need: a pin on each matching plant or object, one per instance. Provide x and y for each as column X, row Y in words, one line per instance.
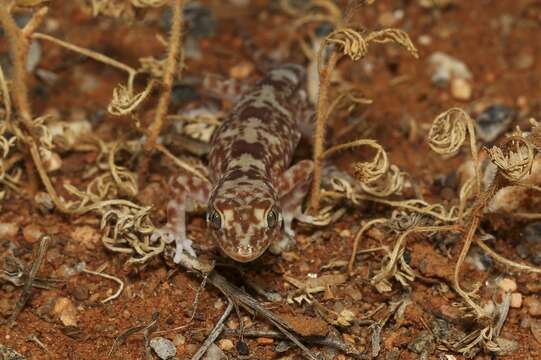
column 218, row 328
column 18, row 46
column 169, row 74
column 27, row 289
column 110, row 277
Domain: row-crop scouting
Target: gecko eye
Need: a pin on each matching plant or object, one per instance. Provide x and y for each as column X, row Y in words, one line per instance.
column 272, row 218
column 215, row 219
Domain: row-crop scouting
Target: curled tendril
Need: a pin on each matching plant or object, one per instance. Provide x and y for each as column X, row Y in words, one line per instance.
column 448, row 131
column 351, row 42
column 402, row 220
column 369, row 172
column 392, row 182
column 148, row 3
column 124, row 100
column 354, row 45
column 514, row 158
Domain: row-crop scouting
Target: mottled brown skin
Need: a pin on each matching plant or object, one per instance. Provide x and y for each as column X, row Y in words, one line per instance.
column 251, row 150
column 253, row 194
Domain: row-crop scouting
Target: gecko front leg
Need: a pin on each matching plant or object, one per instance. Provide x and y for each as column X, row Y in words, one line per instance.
column 292, row 187
column 188, row 188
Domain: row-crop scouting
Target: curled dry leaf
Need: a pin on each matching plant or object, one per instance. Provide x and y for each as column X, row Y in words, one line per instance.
column 514, row 158
column 124, row 100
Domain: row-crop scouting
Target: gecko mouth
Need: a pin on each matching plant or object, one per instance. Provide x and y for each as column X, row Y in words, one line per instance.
column 243, row 254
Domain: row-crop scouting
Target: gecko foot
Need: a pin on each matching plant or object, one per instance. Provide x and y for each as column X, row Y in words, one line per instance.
column 175, row 231
column 282, row 244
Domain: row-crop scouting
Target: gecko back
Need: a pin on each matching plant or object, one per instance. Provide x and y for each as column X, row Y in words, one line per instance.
column 249, row 153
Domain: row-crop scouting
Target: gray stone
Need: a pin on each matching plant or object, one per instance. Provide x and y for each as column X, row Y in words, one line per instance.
column 164, row 348
column 494, row 121
column 445, row 67
column 214, row 353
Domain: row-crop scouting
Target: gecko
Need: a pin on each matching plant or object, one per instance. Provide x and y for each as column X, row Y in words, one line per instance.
column 253, row 193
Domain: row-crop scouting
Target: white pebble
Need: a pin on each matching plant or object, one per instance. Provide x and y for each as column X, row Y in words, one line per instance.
column 163, row 347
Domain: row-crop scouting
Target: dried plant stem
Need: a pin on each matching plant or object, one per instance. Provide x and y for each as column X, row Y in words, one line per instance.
column 18, row 46
column 181, row 163
column 358, row 238
column 478, row 208
column 216, row 331
column 400, row 243
column 505, row 261
column 27, row 289
column 325, row 73
column 89, row 53
column 474, row 154
column 169, row 74
column 34, row 152
column 110, row 277
column 5, row 96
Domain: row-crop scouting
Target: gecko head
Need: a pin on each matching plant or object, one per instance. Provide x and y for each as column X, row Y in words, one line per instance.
column 244, row 226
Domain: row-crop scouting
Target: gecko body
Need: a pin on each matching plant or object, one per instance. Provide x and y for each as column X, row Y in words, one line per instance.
column 253, row 194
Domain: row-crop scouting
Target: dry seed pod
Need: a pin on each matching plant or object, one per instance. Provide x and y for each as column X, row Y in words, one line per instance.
column 351, row 42
column 368, row 172
column 514, row 158
column 124, row 101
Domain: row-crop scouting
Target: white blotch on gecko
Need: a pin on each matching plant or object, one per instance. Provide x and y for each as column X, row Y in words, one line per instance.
column 253, row 194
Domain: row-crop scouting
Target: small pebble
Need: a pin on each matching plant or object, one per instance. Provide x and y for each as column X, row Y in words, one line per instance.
column 32, row 233
column 8, row 231
column 248, row 323
column 264, row 341
column 163, row 347
column 516, row 300
column 507, row 285
column 226, row 344
column 461, row 89
column 34, row 56
column 179, row 340
column 218, row 304
column 232, row 324
column 533, row 304
column 66, row 311
column 494, row 121
column 242, row 70
column 214, row 353
column 44, row 201
column 424, row 40
column 445, row 67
